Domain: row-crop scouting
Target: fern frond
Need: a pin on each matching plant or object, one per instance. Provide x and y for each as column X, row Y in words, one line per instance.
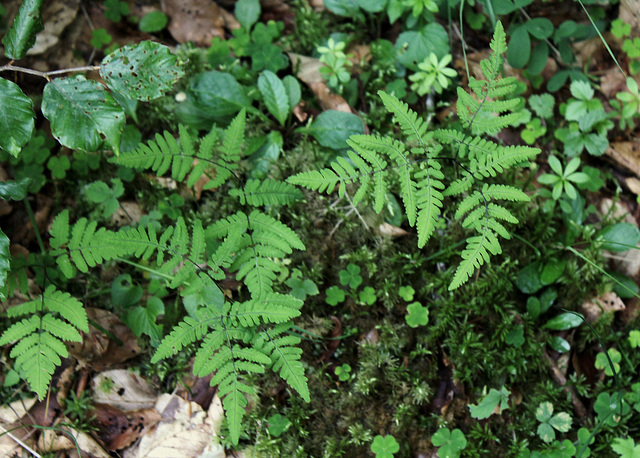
column 231, row 149
column 411, row 124
column 428, row 200
column 266, row 192
column 185, row 333
column 475, row 255
column 39, row 338
column 273, row 308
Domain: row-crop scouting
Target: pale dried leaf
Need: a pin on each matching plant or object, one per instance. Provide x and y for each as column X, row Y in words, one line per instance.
column 57, row 15
column 125, row 390
column 596, row 307
column 194, row 20
column 626, row 154
column 16, row 410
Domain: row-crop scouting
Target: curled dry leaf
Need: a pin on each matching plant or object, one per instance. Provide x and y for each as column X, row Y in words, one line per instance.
column 596, row 307
column 626, row 155
column 118, row 429
column 58, row 441
column 123, row 389
column 16, row 410
column 198, row 21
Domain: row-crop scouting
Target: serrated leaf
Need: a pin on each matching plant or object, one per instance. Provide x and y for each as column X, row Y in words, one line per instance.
column 274, row 95
column 247, row 12
column 16, row 117
column 26, row 25
column 486, row 407
column 292, row 87
column 82, row 114
column 144, row 71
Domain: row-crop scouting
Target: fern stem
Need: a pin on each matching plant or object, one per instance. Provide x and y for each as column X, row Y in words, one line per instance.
column 144, row 268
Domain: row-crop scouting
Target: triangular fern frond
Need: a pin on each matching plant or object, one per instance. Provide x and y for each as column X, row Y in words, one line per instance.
column 411, row 124
column 266, row 192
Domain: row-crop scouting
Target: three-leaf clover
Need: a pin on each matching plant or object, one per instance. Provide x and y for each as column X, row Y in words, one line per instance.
column 368, row 295
column 350, row 276
column 59, row 166
column 634, row 338
column 533, row 130
column 100, row 193
column 602, row 362
column 406, row 292
column 301, row 288
column 450, row 442
column 100, row 38
column 611, row 408
column 335, row 295
column 417, row 315
column 563, row 178
column 115, row 9
column 384, row 446
column 620, row 29
column 343, row 372
column 278, row 424
column 549, row 422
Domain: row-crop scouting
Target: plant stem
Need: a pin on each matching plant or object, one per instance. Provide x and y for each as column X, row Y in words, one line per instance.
column 46, row 75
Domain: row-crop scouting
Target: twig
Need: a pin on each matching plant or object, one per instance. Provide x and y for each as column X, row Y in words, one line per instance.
column 559, row 377
column 20, row 443
column 46, row 75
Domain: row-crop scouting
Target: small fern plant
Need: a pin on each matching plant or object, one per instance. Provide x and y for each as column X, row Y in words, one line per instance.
column 377, row 163
column 237, row 337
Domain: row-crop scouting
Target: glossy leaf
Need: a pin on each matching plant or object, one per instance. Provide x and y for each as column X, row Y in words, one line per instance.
column 415, row 46
column 22, row 35
column 274, row 95
column 16, row 117
column 15, row 190
column 144, row 71
column 82, row 114
column 519, row 49
column 563, row 322
column 619, row 237
column 332, row 128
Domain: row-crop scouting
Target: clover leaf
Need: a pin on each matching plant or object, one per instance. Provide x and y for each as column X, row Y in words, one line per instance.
column 620, row 29
column 335, row 295
column 560, row 421
column 634, row 338
column 368, row 295
column 418, row 315
column 384, row 446
column 343, row 372
column 278, row 424
column 610, row 408
column 406, row 292
column 450, row 442
column 486, row 407
column 350, row 276
column 602, row 361
column 59, row 166
column 626, row 448
column 301, row 288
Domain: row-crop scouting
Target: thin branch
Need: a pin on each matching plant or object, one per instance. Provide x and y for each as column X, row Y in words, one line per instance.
column 47, row 75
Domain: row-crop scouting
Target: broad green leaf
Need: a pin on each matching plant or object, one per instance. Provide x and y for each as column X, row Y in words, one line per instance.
column 626, row 448
column 142, row 320
column 345, row 8
column 494, row 399
column 22, row 35
column 144, row 71
column 332, row 128
column 546, row 432
column 450, row 442
column 292, row 86
column 247, row 12
column 415, row 46
column 561, row 422
column 372, row 6
column 82, row 114
column 274, row 95
column 528, row 280
column 538, row 58
column 619, row 237
column 544, row 411
column 624, row 287
column 559, row 344
column 540, row 28
column 563, row 322
column 16, row 117
column 552, row 270
column 14, row 190
column 212, row 97
column 519, row 49
column 153, row 22
column 5, row 263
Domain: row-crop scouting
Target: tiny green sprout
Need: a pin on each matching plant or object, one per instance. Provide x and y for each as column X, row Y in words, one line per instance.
column 533, row 130
column 406, row 292
column 620, row 29
column 435, row 74
column 417, row 315
column 418, row 5
column 100, row 38
column 115, row 9
column 337, row 63
column 603, row 363
column 302, row 287
column 451, row 443
column 487, row 406
column 626, row 447
column 632, row 47
column 384, row 446
column 628, row 104
column 563, row 178
column 59, row 166
column 278, row 424
column 549, row 422
column 634, row 338
column 350, row 276
column 368, row 295
column 343, row 372
column 335, row 295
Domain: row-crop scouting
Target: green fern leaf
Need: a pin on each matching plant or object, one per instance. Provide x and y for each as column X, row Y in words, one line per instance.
column 266, row 192
column 185, row 333
column 474, row 256
column 412, row 126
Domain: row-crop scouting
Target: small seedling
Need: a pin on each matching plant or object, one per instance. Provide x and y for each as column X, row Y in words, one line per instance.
column 634, row 338
column 368, row 295
column 562, row 180
column 406, row 292
column 495, row 400
column 384, row 446
column 335, row 295
column 434, row 75
column 343, row 372
column 278, row 424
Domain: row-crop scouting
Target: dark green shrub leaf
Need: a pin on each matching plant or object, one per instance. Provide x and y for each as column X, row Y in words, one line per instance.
column 142, row 320
column 82, row 114
column 22, row 35
column 15, row 190
column 343, row 8
column 124, row 293
column 294, row 92
column 212, row 97
column 528, row 280
column 563, row 322
column 153, row 22
column 143, row 71
column 372, row 6
column 519, row 49
column 332, row 128
column 415, row 46
column 540, row 28
column 552, row 271
column 274, row 95
column 559, row 344
column 624, row 287
column 266, row 155
column 247, row 12
column 538, row 58
column 16, row 117
column 619, row 237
